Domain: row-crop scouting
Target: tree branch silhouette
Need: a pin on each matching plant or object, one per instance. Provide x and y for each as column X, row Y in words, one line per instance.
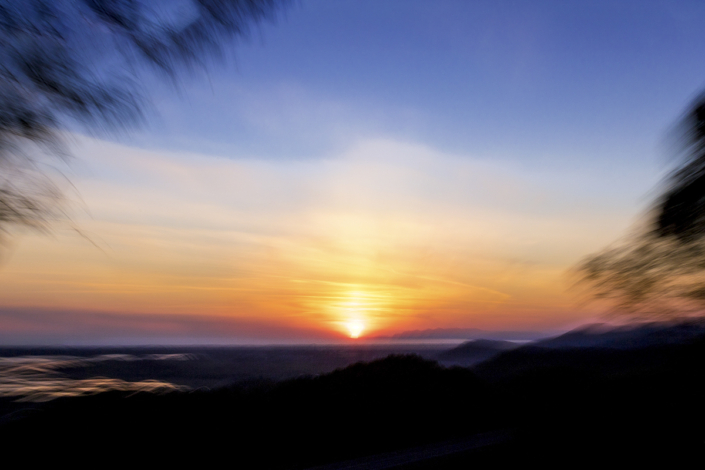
column 660, row 271
column 78, row 62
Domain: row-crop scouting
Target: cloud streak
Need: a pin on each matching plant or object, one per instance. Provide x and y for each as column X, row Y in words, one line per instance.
column 395, row 235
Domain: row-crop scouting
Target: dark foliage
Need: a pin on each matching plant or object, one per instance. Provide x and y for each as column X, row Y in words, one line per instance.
column 680, row 212
column 79, row 61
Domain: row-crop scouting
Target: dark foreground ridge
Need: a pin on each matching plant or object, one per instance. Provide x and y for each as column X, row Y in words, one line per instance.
column 436, row 455
column 548, row 405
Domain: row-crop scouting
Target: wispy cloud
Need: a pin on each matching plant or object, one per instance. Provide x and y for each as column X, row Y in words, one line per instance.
column 395, row 233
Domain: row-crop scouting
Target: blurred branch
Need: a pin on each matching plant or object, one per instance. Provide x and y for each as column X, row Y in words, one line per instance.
column 680, row 212
column 79, row 61
column 661, row 271
column 648, row 275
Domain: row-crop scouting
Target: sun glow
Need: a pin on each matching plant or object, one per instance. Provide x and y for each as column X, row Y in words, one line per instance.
column 355, row 312
column 355, row 328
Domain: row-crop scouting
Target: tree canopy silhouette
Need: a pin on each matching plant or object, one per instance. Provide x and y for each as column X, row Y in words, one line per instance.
column 78, row 62
column 661, row 269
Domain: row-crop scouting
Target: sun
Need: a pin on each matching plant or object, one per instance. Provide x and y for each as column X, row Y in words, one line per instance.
column 355, row 328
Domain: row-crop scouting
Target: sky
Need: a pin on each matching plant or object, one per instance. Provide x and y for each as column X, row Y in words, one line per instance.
column 364, row 168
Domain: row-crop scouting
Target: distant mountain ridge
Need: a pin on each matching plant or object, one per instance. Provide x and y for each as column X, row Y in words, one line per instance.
column 593, row 336
column 465, row 334
column 627, row 336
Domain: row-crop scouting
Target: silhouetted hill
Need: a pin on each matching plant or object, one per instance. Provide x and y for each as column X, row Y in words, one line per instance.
column 366, row 408
column 632, row 401
column 474, row 352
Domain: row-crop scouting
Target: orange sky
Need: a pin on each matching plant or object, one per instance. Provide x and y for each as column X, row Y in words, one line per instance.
column 354, row 244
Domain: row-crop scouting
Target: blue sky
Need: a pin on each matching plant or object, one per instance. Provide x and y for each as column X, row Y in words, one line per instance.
column 538, row 81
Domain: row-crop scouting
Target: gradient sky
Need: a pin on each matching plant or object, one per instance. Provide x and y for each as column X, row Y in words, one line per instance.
column 383, row 166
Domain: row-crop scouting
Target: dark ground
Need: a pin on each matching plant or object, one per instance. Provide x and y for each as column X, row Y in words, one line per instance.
column 550, row 405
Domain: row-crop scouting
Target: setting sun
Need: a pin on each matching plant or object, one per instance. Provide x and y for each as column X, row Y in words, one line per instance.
column 355, row 328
